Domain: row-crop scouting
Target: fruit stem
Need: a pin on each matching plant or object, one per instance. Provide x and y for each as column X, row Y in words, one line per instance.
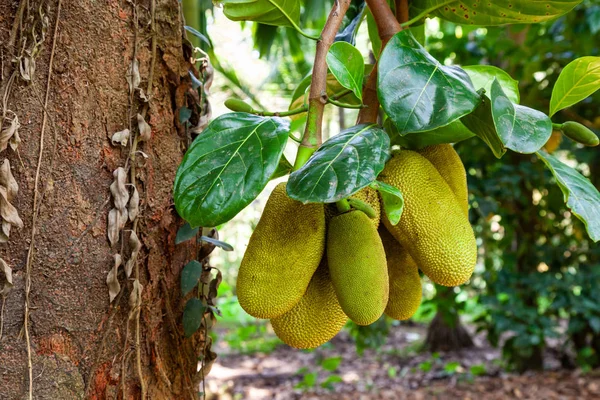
column 343, row 206
column 302, row 156
column 362, row 206
column 557, row 127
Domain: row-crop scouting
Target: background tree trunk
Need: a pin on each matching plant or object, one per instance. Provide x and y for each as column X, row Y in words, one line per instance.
column 445, row 332
column 79, row 342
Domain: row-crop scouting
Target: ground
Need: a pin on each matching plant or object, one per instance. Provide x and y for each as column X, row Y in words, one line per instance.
column 396, row 371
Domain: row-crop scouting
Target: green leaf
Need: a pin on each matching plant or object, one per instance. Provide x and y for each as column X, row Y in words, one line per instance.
column 189, row 276
column 347, row 65
column 481, row 122
column 521, row 129
column 373, row 34
column 482, row 77
column 579, row 79
column 269, row 12
column 351, row 22
column 328, row 383
column 452, row 133
column 283, row 168
column 416, row 91
column 580, row 195
column 198, row 35
column 331, row 363
column 393, row 201
column 192, row 316
column 341, row 166
column 225, row 246
column 185, row 233
column 493, row 12
column 227, row 166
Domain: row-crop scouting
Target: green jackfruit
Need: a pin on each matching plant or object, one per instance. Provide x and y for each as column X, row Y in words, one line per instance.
column 447, row 162
column 283, row 253
column 433, row 227
column 405, row 282
column 317, row 317
column 368, row 195
column 579, row 133
column 357, row 266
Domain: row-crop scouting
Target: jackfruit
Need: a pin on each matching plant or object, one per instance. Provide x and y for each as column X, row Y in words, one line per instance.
column 317, row 317
column 368, row 195
column 433, row 227
column 449, row 165
column 283, row 253
column 579, row 133
column 357, row 266
column 405, row 282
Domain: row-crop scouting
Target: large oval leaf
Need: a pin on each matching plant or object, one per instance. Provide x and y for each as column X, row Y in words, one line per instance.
column 521, row 129
column 341, row 166
column 269, row 12
column 227, row 166
column 493, row 12
column 579, row 79
column 347, row 65
column 580, row 195
column 452, row 133
column 481, row 122
column 482, row 77
column 416, row 91
column 192, row 316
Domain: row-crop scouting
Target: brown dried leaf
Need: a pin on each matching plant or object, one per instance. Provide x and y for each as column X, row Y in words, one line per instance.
column 112, row 279
column 133, row 76
column 5, row 232
column 135, row 245
column 134, row 204
column 8, row 180
column 135, row 298
column 120, row 138
column 213, row 288
column 118, row 188
column 8, row 280
column 9, row 133
column 27, row 68
column 8, row 212
column 144, row 127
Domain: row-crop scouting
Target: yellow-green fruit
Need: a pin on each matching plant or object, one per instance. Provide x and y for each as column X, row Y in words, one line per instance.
column 317, row 317
column 405, row 282
column 580, row 133
column 283, row 253
column 433, row 227
column 447, row 162
column 368, row 195
column 357, row 265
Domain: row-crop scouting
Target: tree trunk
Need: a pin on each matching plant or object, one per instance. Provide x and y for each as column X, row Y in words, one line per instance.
column 446, row 332
column 82, row 345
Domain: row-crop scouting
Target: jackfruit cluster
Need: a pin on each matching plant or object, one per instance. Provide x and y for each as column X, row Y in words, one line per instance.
column 311, row 267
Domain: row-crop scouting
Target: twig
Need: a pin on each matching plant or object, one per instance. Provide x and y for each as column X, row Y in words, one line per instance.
column 2, row 315
column 36, row 207
column 387, row 27
column 313, row 135
column 402, row 10
column 17, row 22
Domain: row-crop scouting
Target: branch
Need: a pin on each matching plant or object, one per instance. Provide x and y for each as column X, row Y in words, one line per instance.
column 387, row 27
column 317, row 98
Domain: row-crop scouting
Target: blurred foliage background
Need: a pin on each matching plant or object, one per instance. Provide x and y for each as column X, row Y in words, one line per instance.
column 535, row 287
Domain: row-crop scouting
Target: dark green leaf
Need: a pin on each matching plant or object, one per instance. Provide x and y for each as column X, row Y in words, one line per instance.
column 269, row 12
column 482, row 77
column 481, row 123
column 416, row 91
column 373, row 34
column 579, row 79
column 347, row 65
column 283, row 168
column 185, row 233
column 521, row 129
column 351, row 22
column 580, row 195
column 342, row 166
column 225, row 246
column 493, row 12
column 331, row 363
column 227, row 166
column 189, row 276
column 452, row 133
column 393, row 201
column 198, row 35
column 192, row 316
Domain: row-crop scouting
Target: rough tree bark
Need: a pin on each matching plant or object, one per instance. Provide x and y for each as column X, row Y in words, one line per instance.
column 446, row 332
column 78, row 339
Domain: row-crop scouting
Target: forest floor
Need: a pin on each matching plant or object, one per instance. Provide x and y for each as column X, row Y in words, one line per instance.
column 397, row 370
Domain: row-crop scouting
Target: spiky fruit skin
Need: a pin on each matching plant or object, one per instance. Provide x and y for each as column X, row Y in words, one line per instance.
column 368, row 195
column 449, row 165
column 405, row 282
column 317, row 317
column 357, row 266
column 433, row 227
column 284, row 251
